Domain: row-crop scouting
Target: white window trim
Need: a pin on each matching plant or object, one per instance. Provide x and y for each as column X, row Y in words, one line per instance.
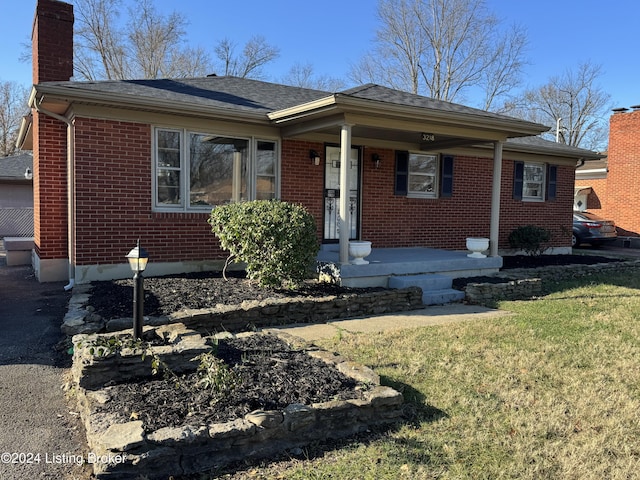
column 436, row 186
column 184, row 206
column 541, row 198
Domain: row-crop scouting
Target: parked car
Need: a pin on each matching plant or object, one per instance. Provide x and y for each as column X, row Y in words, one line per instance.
column 589, row 228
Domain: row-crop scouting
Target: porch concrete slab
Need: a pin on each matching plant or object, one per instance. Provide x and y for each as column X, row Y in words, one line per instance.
column 429, row 316
column 384, row 262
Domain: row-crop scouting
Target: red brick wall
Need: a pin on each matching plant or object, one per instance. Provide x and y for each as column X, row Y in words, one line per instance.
column 50, row 187
column 302, row 181
column 397, row 221
column 554, row 215
column 113, row 200
column 622, row 202
column 114, row 188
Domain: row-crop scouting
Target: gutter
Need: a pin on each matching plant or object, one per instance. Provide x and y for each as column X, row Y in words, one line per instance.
column 70, row 187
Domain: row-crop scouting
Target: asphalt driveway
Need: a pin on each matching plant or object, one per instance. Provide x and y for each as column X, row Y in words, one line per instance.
column 40, row 434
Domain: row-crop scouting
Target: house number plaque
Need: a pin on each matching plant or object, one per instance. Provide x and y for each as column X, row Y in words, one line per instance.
column 428, row 137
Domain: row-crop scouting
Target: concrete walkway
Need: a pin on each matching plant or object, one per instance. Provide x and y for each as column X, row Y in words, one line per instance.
column 428, row 316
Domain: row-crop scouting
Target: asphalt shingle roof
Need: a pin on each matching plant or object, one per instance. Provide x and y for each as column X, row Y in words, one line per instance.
column 258, row 97
column 538, row 143
column 255, row 97
column 389, row 95
column 240, row 94
column 14, row 166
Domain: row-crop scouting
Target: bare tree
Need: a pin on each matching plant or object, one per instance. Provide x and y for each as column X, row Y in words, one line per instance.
column 100, row 51
column 444, row 49
column 303, row 76
column 151, row 45
column 574, row 101
column 249, row 64
column 13, row 106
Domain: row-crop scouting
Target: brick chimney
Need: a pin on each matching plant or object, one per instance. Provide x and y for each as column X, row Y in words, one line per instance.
column 623, row 196
column 52, row 41
column 52, row 57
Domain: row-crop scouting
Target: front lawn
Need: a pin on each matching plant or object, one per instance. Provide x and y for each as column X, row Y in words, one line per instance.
column 550, row 392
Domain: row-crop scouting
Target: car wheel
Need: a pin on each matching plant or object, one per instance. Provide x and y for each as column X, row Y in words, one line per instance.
column 575, row 240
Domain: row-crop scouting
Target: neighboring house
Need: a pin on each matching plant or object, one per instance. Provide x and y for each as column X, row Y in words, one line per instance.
column 149, row 159
column 611, row 184
column 16, row 195
column 591, row 184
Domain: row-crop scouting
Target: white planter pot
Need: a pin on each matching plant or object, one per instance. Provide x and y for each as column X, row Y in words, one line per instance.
column 477, row 246
column 359, row 249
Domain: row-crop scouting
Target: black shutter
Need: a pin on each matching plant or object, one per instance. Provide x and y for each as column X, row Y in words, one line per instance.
column 446, row 189
column 518, row 180
column 402, row 173
column 552, row 182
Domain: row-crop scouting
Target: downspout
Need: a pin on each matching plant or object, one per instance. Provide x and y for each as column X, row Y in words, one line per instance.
column 70, row 190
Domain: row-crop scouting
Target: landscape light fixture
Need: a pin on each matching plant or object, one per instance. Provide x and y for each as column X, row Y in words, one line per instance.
column 138, row 258
column 315, row 157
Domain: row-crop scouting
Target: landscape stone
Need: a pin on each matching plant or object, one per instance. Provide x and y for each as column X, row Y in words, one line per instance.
column 264, row 419
column 121, row 437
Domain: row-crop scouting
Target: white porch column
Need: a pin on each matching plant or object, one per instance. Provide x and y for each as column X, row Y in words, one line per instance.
column 345, row 214
column 495, row 199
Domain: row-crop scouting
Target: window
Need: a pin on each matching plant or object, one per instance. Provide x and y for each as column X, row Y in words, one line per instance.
column 266, row 170
column 533, row 186
column 196, row 171
column 168, row 168
column 423, row 175
column 534, row 182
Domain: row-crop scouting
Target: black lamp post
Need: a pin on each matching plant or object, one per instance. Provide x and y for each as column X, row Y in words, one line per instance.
column 138, row 258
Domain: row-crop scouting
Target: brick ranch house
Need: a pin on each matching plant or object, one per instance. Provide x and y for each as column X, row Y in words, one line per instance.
column 608, row 187
column 115, row 161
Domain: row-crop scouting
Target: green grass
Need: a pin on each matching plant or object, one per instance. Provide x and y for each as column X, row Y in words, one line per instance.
column 552, row 391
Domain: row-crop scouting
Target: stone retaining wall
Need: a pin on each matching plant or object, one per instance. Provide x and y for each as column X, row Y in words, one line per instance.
column 524, row 283
column 249, row 315
column 488, row 293
column 125, row 450
column 92, row 371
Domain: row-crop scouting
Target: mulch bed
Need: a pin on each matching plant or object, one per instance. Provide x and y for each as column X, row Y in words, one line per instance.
column 267, row 375
column 166, row 295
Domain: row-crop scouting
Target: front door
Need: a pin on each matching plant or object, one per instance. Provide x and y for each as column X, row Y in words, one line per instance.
column 332, row 193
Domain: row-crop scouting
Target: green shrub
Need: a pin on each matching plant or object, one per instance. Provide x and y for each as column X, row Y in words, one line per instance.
column 530, row 238
column 276, row 240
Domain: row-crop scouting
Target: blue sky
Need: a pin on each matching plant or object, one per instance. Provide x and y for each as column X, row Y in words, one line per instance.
column 332, row 37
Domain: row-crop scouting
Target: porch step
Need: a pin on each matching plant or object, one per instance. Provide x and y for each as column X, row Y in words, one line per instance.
column 436, row 289
column 442, row 297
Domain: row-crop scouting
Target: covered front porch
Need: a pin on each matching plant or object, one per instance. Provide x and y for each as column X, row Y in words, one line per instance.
column 382, row 183
column 429, row 268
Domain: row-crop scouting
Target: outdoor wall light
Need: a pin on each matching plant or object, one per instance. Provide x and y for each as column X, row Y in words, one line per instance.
column 315, row 157
column 375, row 158
column 138, row 258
